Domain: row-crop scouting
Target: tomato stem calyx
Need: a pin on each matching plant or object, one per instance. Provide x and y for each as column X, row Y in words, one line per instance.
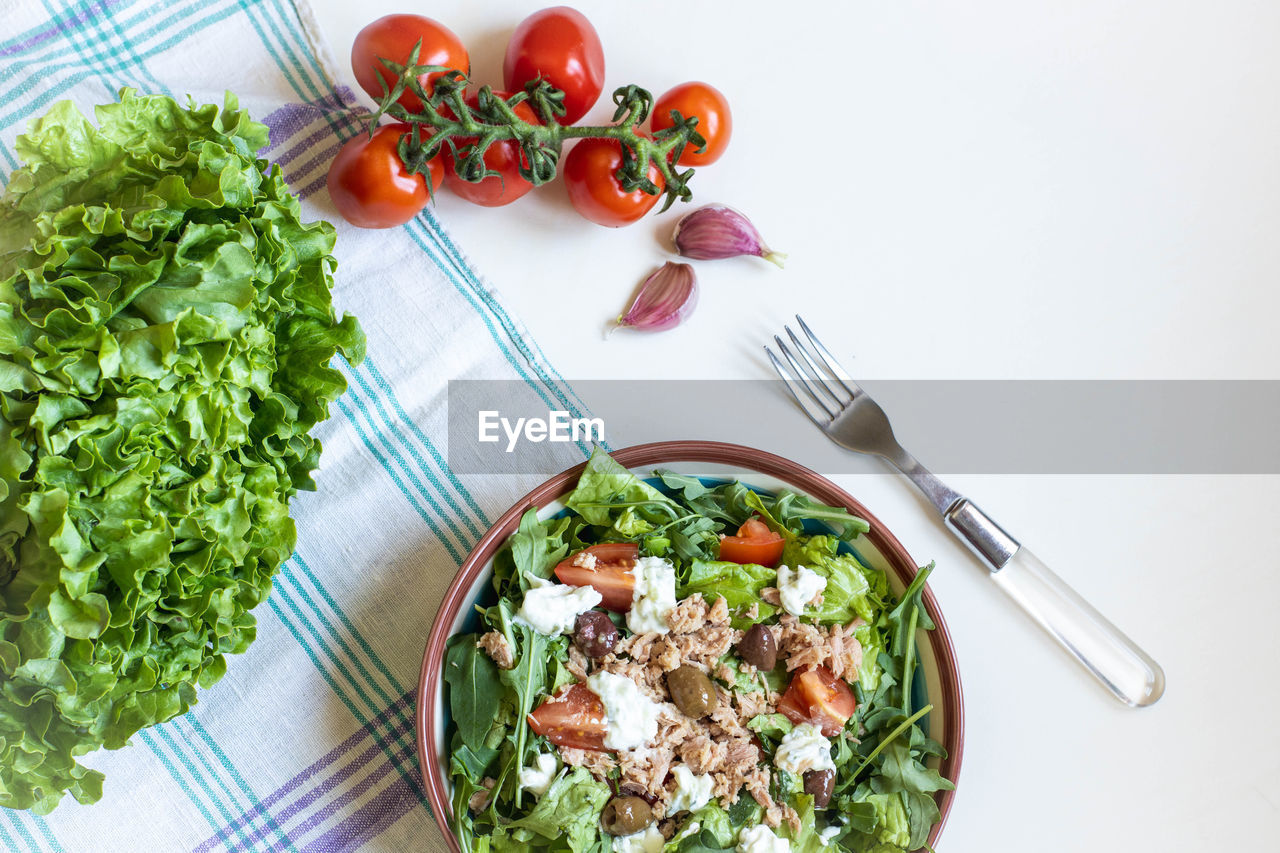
column 447, row 120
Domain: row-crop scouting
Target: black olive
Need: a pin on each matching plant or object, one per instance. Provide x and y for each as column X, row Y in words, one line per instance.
column 758, row 648
column 595, row 634
column 625, row 816
column 820, row 783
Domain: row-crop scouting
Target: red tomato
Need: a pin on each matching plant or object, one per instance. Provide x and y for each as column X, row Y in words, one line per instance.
column 369, row 184
column 610, row 575
column 817, row 696
column 560, row 46
column 589, row 171
column 504, row 157
column 393, row 37
column 755, row 543
column 574, row 717
column 715, row 122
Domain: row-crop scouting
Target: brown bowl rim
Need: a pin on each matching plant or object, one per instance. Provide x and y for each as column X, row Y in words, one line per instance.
column 657, row 453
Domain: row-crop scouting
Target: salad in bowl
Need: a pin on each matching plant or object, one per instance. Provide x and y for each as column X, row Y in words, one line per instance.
column 682, row 665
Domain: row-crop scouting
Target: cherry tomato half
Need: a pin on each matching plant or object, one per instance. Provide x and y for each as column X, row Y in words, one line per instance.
column 369, row 184
column 503, row 157
column 589, row 176
column 574, row 717
column 817, row 696
column 560, row 46
column 755, row 543
column 715, row 122
column 607, row 571
column 393, row 37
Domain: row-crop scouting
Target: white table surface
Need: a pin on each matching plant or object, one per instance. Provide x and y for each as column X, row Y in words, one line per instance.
column 1083, row 189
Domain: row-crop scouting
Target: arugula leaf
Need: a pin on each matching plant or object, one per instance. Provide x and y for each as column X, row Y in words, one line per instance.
column 792, row 510
column 894, row 748
column 528, row 680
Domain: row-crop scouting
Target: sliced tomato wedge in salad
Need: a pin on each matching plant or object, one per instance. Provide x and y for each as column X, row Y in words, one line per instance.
column 607, row 569
column 755, row 543
column 817, row 696
column 574, row 717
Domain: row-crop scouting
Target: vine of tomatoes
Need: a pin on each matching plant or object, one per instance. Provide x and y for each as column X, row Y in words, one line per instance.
column 493, row 147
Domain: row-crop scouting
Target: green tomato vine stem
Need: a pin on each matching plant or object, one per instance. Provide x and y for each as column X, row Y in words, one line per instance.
column 446, row 120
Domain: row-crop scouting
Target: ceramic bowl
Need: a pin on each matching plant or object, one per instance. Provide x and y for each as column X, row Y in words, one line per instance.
column 756, row 468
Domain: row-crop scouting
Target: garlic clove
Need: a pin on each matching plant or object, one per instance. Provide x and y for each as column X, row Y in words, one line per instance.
column 717, row 231
column 666, row 298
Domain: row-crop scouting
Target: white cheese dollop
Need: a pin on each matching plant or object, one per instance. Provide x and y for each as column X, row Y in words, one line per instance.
column 804, row 748
column 648, row 840
column 691, row 793
column 536, row 778
column 631, row 718
column 797, row 588
column 654, row 595
column 827, row 834
column 552, row 608
column 760, row 839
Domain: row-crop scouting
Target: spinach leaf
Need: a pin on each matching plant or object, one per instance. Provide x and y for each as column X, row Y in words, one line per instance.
column 475, row 692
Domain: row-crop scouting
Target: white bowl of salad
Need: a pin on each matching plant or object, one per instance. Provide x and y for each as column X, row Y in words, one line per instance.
column 689, row 647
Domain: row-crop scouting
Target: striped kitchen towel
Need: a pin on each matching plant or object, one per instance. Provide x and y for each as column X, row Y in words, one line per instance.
column 307, row 743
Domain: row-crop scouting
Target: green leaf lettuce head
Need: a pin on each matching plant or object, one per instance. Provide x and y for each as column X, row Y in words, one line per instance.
column 166, row 327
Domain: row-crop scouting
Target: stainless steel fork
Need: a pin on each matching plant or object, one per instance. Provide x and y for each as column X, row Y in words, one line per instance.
column 850, row 418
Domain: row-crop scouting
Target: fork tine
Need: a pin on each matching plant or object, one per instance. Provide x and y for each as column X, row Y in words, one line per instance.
column 800, row 377
column 814, row 372
column 841, row 375
column 788, row 381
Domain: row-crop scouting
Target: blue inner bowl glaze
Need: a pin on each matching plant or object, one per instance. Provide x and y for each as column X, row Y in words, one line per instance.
column 489, row 596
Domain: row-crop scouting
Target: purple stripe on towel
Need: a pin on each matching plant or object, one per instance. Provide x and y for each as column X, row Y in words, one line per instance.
column 291, row 119
column 60, row 27
column 370, row 820
column 357, row 791
column 310, row 773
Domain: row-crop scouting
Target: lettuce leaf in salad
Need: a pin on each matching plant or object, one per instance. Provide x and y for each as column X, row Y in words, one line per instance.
column 707, row 829
column 569, row 810
column 738, row 583
column 608, row 494
column 853, row 590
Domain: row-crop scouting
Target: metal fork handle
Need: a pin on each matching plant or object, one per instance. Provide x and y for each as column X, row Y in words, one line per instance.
column 1104, row 650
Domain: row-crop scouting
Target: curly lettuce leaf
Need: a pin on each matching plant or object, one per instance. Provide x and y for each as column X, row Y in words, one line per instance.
column 738, row 583
column 853, row 591
column 608, row 494
column 166, row 328
column 569, row 811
